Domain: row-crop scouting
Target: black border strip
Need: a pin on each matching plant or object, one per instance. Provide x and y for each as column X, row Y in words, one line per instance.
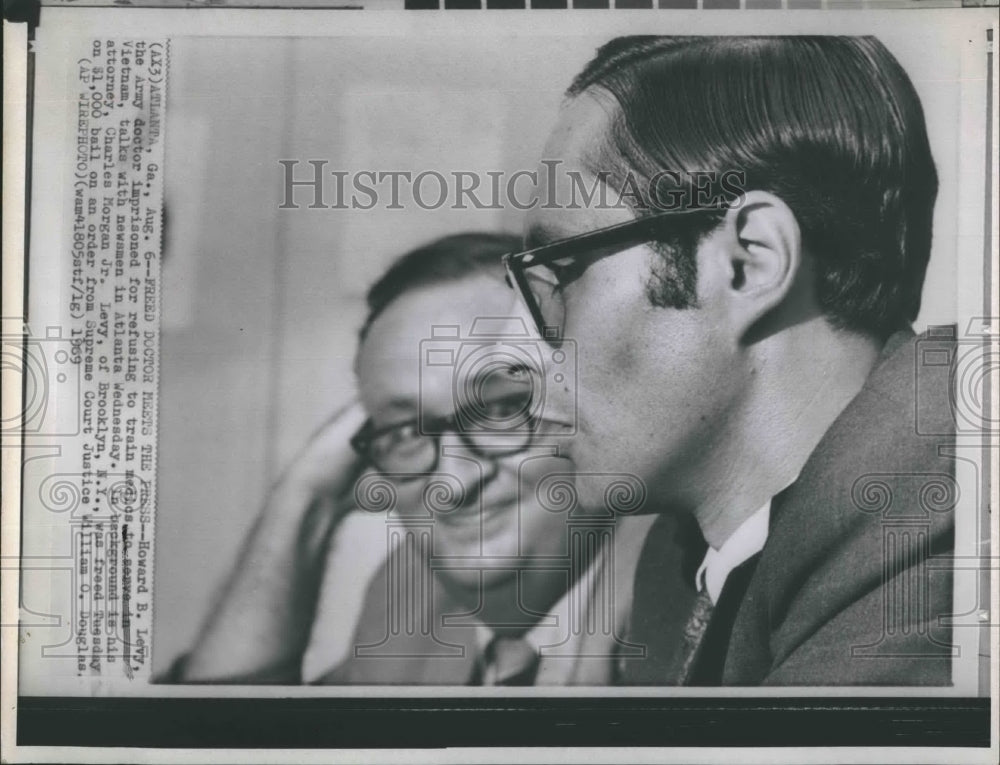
column 468, row 722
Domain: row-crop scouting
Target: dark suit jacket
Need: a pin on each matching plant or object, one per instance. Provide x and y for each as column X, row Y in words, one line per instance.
column 854, row 585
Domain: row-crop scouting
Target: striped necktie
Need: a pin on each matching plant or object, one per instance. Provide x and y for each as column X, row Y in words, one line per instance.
column 695, row 629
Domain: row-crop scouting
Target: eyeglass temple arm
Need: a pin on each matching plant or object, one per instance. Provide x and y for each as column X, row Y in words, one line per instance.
column 638, row 230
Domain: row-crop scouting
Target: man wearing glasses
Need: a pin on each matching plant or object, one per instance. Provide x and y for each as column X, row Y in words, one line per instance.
column 753, row 362
column 449, row 477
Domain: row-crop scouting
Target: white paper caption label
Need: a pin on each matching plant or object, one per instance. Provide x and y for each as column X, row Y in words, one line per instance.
column 113, row 321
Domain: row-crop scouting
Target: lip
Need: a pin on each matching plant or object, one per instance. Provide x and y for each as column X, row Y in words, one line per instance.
column 469, row 516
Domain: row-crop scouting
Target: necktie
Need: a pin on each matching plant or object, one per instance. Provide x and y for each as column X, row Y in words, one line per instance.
column 695, row 629
column 669, row 616
column 514, row 661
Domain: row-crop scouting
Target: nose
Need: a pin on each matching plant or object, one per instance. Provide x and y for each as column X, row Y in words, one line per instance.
column 471, row 471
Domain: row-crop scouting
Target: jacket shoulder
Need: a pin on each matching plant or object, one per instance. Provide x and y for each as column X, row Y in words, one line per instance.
column 846, row 591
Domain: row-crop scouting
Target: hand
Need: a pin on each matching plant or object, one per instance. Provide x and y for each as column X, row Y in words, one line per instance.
column 261, row 626
column 327, row 466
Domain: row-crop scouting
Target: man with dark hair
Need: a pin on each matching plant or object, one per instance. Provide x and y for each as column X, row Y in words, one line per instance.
column 752, row 362
column 448, row 259
column 493, row 607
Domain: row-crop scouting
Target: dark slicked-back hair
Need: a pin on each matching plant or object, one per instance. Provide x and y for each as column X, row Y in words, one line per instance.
column 444, row 260
column 831, row 125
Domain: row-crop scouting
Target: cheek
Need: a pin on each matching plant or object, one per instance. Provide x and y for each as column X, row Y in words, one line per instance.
column 545, row 486
column 614, row 371
column 533, row 470
column 540, row 483
column 410, row 495
column 610, row 318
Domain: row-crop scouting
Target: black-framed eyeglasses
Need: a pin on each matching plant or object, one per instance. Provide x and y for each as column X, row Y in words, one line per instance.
column 540, row 278
column 491, row 429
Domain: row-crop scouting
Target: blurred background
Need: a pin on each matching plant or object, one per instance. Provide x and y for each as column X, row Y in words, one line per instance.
column 261, row 305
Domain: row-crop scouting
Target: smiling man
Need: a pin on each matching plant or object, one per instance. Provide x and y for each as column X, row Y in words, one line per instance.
column 479, row 572
column 753, row 362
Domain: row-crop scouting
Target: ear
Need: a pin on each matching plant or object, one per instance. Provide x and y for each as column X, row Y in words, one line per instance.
column 764, row 257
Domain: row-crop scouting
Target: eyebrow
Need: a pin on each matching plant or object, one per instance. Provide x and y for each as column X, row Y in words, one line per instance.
column 399, row 405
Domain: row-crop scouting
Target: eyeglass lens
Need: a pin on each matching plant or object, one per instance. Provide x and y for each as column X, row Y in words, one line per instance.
column 410, row 449
column 548, row 297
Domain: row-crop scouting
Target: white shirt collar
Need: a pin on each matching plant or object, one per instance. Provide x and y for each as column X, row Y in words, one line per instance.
column 744, row 543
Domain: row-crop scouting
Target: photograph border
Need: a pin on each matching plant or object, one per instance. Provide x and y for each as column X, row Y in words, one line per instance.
column 538, row 720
